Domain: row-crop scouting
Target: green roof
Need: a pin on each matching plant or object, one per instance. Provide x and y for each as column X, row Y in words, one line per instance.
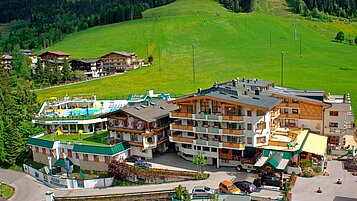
column 103, row 150
column 275, row 159
column 61, row 162
column 40, row 142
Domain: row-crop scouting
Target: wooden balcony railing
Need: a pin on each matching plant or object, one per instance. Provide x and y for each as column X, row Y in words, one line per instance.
column 231, row 131
column 182, row 139
column 295, row 105
column 277, row 143
column 181, row 127
column 232, row 118
column 233, row 145
column 293, row 116
column 181, row 114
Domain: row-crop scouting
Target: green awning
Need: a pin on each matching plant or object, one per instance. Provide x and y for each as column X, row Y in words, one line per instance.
column 40, row 142
column 82, row 175
column 61, row 162
column 103, row 150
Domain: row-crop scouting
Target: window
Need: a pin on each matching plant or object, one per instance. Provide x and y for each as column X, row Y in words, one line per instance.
column 134, row 138
column 231, row 111
column 77, row 155
column 295, row 111
column 206, row 149
column 295, row 101
column 249, row 113
column 204, row 106
column 190, row 109
column 85, row 157
column 215, row 106
column 70, row 153
column 96, row 158
column 149, row 139
column 225, row 151
column 333, row 125
column 261, row 139
column 44, row 150
column 37, row 149
column 187, row 146
column 249, row 140
column 213, row 149
column 106, row 158
column 260, row 113
column 249, row 126
column 334, row 113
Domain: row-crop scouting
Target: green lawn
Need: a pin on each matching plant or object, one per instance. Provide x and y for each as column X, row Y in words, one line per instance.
column 6, row 192
column 228, row 45
column 87, row 139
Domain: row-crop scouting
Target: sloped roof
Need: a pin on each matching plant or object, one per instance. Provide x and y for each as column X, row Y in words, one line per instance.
column 128, row 54
column 40, row 142
column 152, row 112
column 56, row 53
column 102, row 150
column 315, row 144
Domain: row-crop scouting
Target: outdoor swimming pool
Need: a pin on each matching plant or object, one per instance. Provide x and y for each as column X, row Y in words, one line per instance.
column 79, row 111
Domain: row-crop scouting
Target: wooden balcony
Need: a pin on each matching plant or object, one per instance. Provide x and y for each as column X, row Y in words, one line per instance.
column 182, row 139
column 233, row 132
column 277, row 143
column 126, row 129
column 136, row 144
column 181, row 127
column 181, row 114
column 294, row 105
column 290, row 116
column 233, row 145
column 232, row 118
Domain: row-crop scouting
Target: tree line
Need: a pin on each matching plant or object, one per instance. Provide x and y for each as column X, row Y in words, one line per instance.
column 319, row 8
column 17, row 105
column 239, row 5
column 42, row 23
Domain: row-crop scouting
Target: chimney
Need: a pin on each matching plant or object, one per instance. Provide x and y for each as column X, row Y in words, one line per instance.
column 234, row 83
column 257, row 91
column 243, row 79
column 150, row 93
column 199, row 90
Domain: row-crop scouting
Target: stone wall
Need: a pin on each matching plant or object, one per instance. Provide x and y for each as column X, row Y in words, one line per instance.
column 91, row 165
column 42, row 158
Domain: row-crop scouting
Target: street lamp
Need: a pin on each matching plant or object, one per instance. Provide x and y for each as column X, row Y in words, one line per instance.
column 282, row 69
column 193, row 61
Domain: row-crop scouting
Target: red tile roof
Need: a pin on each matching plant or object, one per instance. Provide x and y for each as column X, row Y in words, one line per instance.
column 56, row 53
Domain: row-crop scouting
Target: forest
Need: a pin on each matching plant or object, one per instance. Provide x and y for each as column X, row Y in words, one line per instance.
column 38, row 24
column 317, row 8
column 238, row 5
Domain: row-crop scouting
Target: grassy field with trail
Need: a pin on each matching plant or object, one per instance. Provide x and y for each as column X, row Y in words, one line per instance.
column 227, row 45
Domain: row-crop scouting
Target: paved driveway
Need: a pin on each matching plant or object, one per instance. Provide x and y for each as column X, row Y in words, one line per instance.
column 305, row 188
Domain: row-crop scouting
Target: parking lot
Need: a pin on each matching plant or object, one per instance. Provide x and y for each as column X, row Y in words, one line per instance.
column 173, row 162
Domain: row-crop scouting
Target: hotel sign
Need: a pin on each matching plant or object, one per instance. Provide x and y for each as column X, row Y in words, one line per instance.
column 55, row 122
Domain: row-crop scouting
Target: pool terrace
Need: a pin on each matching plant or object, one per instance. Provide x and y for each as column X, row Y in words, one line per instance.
column 87, row 139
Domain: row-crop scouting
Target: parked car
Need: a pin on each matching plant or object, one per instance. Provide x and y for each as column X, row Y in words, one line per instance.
column 202, row 191
column 245, row 186
column 270, row 179
column 142, row 164
column 227, row 187
column 133, row 158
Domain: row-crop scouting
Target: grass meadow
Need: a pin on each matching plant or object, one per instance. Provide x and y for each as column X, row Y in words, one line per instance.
column 227, row 45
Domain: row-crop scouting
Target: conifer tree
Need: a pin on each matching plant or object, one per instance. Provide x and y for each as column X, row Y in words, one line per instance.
column 66, row 74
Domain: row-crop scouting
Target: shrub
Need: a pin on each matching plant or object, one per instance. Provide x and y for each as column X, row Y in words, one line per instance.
column 201, row 176
column 340, row 36
column 118, row 169
column 307, row 173
column 318, row 170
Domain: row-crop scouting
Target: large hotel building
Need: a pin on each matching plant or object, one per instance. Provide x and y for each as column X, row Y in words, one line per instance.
column 239, row 119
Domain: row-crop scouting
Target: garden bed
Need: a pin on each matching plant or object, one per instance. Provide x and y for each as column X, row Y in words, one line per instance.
column 6, row 191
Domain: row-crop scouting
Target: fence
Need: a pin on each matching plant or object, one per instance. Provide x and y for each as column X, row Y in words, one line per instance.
column 56, row 181
column 152, row 195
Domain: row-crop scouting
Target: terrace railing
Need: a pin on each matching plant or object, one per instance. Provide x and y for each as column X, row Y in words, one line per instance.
column 55, row 118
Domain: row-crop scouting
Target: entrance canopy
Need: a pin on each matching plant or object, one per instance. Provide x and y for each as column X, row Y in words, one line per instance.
column 61, row 162
column 315, row 144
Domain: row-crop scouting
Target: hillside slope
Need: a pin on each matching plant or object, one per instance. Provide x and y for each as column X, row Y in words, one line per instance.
column 228, row 45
